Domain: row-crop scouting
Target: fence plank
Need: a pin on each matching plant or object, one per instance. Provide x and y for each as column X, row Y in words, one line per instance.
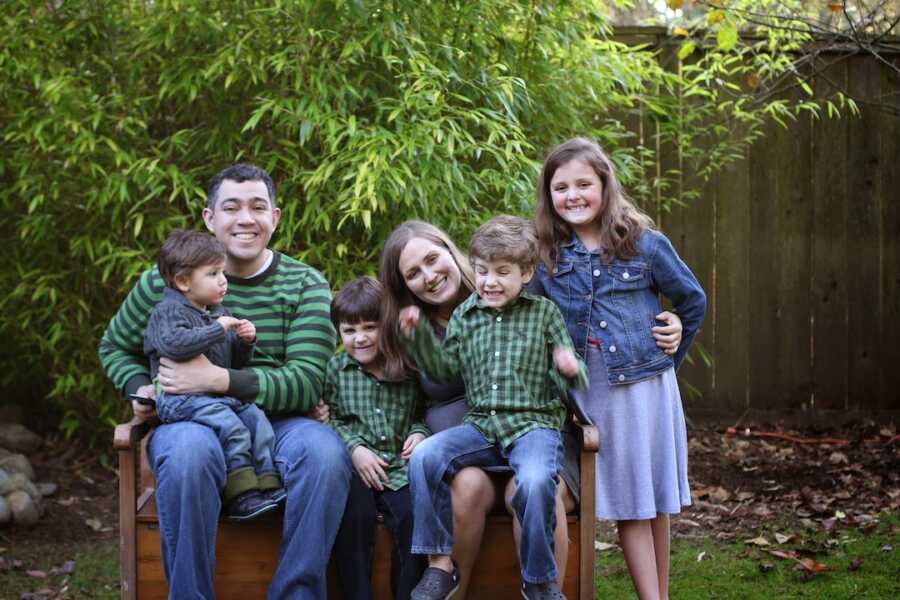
column 829, row 277
column 889, row 392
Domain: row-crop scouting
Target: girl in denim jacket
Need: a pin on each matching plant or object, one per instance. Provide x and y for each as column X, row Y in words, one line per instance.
column 605, row 267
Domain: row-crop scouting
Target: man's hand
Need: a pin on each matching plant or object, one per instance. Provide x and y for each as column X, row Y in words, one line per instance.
column 668, row 336
column 320, row 412
column 228, row 322
column 194, row 376
column 410, row 444
column 409, row 318
column 565, row 361
column 246, row 330
column 142, row 411
column 369, row 467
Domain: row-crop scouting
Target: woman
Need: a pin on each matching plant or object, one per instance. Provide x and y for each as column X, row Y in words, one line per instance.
column 421, row 266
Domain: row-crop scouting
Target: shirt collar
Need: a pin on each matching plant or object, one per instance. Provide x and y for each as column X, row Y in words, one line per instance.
column 474, row 301
column 215, row 310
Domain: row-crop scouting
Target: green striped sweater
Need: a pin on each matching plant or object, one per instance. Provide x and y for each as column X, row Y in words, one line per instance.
column 289, row 304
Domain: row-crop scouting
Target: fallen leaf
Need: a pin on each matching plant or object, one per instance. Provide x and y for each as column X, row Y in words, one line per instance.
column 68, row 567
column 784, row 555
column 887, row 548
column 855, row 564
column 94, row 524
column 812, row 566
column 765, row 567
column 783, row 539
column 68, row 501
column 601, row 546
column 36, row 573
column 701, row 555
column 758, row 541
column 838, row 458
column 745, row 496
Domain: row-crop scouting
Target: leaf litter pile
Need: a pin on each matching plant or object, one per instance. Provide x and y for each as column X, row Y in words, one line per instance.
column 792, row 495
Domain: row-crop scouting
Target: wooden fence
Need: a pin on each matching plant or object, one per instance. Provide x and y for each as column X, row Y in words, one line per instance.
column 798, row 248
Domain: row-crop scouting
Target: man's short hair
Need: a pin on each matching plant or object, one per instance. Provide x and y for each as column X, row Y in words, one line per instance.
column 357, row 301
column 505, row 237
column 183, row 251
column 240, row 173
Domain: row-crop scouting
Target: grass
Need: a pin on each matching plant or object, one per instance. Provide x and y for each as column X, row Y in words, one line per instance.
column 96, row 574
column 735, row 570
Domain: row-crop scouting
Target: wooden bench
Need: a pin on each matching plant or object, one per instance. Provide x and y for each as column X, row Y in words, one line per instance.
column 495, row 577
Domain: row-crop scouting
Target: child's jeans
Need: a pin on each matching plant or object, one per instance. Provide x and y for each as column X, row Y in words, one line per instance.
column 245, row 433
column 355, row 542
column 535, row 459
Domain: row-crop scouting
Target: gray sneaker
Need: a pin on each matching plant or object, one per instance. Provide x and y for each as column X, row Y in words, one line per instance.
column 436, row 584
column 542, row 591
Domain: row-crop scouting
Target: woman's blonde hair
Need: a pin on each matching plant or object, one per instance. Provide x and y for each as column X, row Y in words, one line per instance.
column 396, row 292
column 620, row 222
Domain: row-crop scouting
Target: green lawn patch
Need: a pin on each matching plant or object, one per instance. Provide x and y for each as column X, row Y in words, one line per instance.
column 95, row 574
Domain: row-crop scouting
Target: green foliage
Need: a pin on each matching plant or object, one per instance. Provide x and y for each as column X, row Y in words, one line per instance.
column 114, row 116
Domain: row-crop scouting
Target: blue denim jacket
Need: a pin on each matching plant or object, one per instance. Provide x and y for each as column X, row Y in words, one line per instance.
column 617, row 303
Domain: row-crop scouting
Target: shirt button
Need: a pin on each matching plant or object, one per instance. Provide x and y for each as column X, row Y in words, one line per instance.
column 621, row 378
column 596, row 272
column 497, row 353
column 383, row 438
column 494, row 387
column 602, row 324
column 493, row 412
column 499, row 319
column 612, row 348
column 625, row 275
column 377, row 410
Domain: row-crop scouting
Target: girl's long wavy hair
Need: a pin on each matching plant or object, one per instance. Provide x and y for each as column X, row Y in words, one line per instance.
column 397, row 295
column 620, row 222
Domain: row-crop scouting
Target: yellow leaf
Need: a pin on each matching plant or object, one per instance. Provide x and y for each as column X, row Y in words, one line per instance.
column 680, row 31
column 675, row 4
column 714, row 17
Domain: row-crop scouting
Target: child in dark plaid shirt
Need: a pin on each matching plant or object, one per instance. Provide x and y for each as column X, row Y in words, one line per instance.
column 516, row 359
column 381, row 422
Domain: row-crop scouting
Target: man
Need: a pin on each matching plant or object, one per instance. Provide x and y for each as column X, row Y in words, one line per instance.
column 289, row 303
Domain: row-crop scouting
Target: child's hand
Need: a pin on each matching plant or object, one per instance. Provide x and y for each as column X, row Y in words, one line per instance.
column 370, row 467
column 409, row 318
column 668, row 336
column 565, row 361
column 228, row 322
column 246, row 330
column 320, row 413
column 409, row 445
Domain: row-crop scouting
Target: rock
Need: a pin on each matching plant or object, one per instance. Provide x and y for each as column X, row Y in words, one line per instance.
column 24, row 510
column 46, row 488
column 4, row 477
column 12, row 413
column 14, row 482
column 5, row 512
column 32, row 490
column 17, row 463
column 4, row 452
column 16, row 437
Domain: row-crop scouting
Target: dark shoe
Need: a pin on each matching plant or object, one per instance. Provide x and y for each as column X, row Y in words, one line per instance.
column 249, row 505
column 542, row 591
column 436, row 584
column 278, row 496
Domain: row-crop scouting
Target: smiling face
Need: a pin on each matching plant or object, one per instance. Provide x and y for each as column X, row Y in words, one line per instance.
column 430, row 272
column 499, row 282
column 243, row 220
column 204, row 286
column 577, row 195
column 361, row 341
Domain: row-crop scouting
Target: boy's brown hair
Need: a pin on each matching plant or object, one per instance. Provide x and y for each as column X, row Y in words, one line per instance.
column 505, row 237
column 357, row 301
column 183, row 251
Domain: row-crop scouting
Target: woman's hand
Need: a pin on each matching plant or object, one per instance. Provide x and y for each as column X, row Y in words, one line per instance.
column 668, row 336
column 409, row 318
column 410, row 444
column 565, row 361
column 370, row 467
column 194, row 376
column 320, row 412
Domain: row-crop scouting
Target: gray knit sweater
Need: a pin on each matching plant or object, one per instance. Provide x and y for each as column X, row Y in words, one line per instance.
column 179, row 330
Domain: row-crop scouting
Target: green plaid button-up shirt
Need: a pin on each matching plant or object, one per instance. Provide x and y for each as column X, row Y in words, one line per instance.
column 506, row 360
column 377, row 414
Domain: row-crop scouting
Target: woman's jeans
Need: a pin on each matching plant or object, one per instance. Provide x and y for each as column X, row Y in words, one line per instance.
column 535, row 460
column 190, row 467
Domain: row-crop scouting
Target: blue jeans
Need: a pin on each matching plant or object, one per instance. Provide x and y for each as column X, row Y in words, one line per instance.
column 243, row 430
column 535, row 460
column 189, row 466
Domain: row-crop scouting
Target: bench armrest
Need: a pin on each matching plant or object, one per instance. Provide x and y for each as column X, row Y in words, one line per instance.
column 128, row 435
column 588, row 436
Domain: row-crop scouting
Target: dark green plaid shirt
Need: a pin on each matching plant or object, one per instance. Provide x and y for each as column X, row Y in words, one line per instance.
column 506, row 360
column 377, row 414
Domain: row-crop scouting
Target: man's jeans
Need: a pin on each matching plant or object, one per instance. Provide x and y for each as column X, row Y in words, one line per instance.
column 189, row 466
column 243, row 430
column 535, row 459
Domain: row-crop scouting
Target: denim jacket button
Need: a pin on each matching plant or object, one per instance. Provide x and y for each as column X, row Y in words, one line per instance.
column 625, row 275
column 602, row 324
column 596, row 272
column 612, row 348
column 621, row 378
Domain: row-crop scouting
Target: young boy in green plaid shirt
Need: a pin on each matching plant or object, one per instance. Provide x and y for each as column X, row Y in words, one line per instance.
column 381, row 423
column 516, row 359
